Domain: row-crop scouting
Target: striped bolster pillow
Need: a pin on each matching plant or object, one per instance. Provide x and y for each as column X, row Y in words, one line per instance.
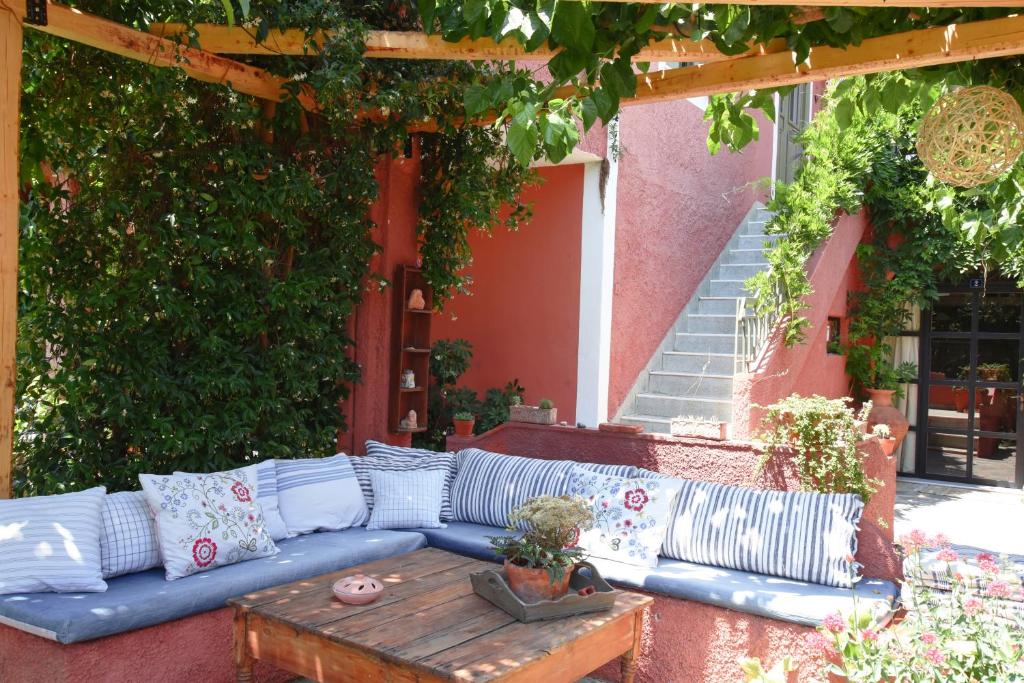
column 489, row 486
column 803, row 536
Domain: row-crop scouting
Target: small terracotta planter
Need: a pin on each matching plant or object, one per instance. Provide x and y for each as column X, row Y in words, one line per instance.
column 534, row 585
column 464, row 427
column 888, row 445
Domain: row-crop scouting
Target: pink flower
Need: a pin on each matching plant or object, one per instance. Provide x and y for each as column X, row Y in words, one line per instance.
column 935, row 656
column 940, row 540
column 989, row 567
column 820, row 644
column 869, row 635
column 204, row 551
column 998, row 589
column 636, row 499
column 914, row 540
column 984, row 557
column 947, row 555
column 973, row 605
column 928, row 638
column 834, row 623
column 241, row 492
column 574, row 538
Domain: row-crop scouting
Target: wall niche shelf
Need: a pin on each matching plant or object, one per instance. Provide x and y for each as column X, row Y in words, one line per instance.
column 410, row 346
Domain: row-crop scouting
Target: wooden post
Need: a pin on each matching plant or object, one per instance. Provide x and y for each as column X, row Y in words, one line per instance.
column 10, row 98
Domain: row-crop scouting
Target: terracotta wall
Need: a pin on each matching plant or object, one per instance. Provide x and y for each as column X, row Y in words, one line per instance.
column 522, row 315
column 807, row 368
column 726, row 462
column 677, row 208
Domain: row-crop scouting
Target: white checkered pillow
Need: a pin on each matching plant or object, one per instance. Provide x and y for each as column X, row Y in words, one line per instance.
column 381, row 456
column 128, row 541
column 409, row 499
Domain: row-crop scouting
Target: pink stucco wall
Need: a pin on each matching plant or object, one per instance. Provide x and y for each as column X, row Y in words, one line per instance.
column 807, row 368
column 677, row 207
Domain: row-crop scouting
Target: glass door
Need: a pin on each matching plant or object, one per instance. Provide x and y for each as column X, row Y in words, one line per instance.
column 970, row 398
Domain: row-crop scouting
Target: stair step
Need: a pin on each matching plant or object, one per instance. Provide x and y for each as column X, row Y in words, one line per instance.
column 710, row 323
column 728, row 288
column 687, row 384
column 756, row 241
column 747, row 256
column 705, row 343
column 686, row 361
column 674, row 406
column 652, row 424
column 721, row 305
column 739, row 271
column 756, row 226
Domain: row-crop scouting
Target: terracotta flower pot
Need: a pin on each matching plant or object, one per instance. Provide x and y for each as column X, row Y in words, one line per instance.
column 888, row 445
column 884, row 412
column 534, row 585
column 464, row 427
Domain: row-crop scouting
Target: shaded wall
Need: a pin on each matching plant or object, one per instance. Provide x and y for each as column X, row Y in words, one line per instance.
column 807, row 368
column 677, row 208
column 522, row 314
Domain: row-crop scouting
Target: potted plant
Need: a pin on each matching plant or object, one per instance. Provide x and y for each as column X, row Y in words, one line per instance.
column 539, row 561
column 701, row 427
column 463, row 422
column 886, row 383
column 885, row 440
column 544, row 413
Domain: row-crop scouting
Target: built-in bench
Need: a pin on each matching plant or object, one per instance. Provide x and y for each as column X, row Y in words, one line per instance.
column 146, row 628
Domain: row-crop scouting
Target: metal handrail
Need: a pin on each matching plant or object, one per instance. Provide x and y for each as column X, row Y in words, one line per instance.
column 754, row 329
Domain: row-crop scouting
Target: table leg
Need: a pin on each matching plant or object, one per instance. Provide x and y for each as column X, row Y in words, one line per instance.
column 243, row 661
column 628, row 660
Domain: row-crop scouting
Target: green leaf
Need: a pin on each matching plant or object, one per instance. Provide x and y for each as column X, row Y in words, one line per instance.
column 605, row 103
column 474, row 10
column 844, row 113
column 427, row 10
column 229, row 10
column 475, row 99
column 573, row 26
column 588, row 112
column 244, row 4
column 522, row 140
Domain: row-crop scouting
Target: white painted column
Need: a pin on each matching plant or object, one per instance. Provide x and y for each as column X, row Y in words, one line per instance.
column 597, row 274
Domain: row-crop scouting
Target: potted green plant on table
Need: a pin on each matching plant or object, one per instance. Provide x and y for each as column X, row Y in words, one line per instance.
column 539, row 561
column 544, row 413
column 463, row 422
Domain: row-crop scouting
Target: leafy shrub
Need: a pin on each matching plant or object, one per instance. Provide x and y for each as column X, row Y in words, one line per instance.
column 823, row 435
column 552, row 527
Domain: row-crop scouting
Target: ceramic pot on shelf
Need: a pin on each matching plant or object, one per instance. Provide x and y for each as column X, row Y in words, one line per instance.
column 534, row 585
column 884, row 412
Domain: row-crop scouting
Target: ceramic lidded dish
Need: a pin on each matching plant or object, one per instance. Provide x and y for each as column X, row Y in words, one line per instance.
column 358, row 589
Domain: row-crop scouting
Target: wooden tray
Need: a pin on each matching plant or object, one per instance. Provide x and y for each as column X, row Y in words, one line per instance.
column 492, row 585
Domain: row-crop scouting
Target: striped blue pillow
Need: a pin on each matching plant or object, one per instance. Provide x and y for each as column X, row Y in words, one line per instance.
column 319, row 494
column 409, row 499
column 798, row 535
column 52, row 543
column 381, row 456
column 489, row 486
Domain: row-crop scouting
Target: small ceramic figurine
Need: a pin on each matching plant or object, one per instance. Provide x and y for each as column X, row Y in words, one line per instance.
column 409, row 421
column 416, row 300
column 408, row 379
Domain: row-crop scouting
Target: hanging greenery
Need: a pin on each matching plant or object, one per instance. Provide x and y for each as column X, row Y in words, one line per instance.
column 190, row 257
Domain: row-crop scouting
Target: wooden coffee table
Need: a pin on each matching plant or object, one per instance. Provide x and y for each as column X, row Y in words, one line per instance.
column 428, row 625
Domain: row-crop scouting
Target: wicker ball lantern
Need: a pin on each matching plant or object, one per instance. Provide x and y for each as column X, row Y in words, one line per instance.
column 971, row 136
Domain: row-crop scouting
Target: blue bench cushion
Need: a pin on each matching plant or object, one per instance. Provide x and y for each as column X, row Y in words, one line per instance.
column 798, row 602
column 144, row 599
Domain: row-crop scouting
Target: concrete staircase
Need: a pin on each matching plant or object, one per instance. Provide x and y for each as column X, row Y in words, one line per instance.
column 691, row 374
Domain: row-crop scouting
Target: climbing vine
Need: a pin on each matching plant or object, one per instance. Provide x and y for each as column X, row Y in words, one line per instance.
column 190, row 257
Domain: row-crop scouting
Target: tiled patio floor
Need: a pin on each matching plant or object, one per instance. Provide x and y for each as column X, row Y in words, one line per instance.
column 979, row 516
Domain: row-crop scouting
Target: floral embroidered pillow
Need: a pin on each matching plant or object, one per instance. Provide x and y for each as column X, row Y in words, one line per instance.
column 631, row 515
column 206, row 521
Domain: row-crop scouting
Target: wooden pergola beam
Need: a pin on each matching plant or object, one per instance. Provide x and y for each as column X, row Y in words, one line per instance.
column 10, row 97
column 237, row 40
column 911, row 49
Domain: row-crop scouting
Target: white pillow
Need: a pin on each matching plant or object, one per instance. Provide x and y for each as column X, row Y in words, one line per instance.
column 319, row 494
column 128, row 540
column 409, row 499
column 52, row 543
column 265, row 475
column 206, row 521
column 631, row 515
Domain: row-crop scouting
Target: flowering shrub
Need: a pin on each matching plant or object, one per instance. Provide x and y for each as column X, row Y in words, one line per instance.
column 963, row 623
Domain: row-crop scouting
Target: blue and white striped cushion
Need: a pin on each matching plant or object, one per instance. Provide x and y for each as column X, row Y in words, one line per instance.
column 128, row 540
column 797, row 535
column 381, row 456
column 489, row 486
column 319, row 494
column 52, row 543
column 627, row 471
column 409, row 499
